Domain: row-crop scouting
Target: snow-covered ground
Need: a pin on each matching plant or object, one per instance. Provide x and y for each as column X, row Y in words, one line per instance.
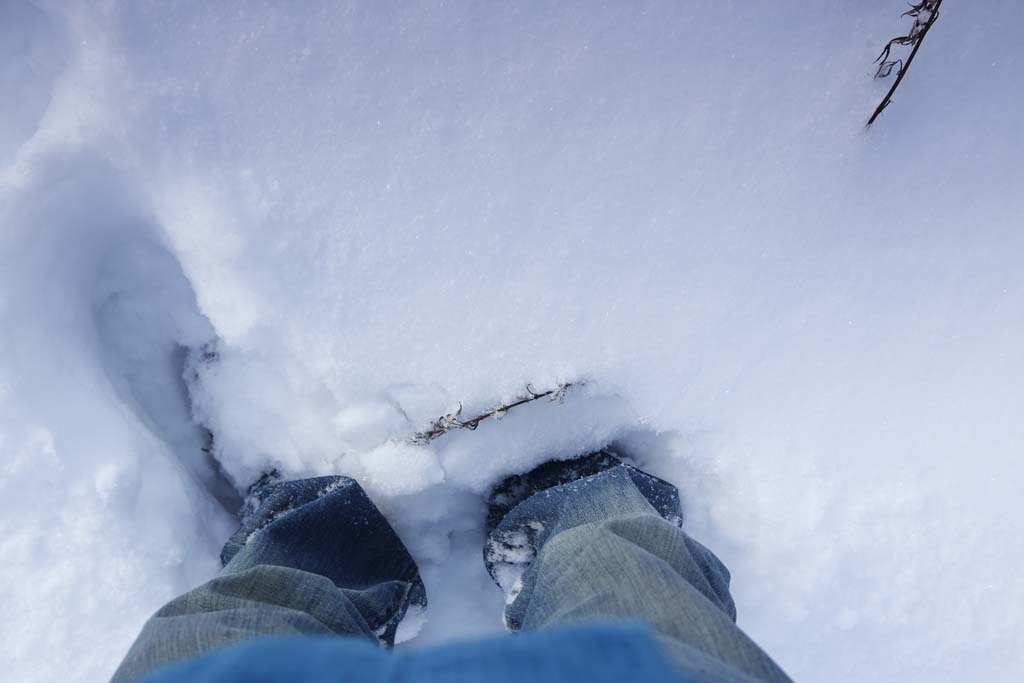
column 376, row 210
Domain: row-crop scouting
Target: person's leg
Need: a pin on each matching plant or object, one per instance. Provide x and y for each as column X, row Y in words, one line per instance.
column 313, row 556
column 609, row 546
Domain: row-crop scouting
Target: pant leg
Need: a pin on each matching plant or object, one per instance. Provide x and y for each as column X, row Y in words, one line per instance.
column 313, row 557
column 606, row 547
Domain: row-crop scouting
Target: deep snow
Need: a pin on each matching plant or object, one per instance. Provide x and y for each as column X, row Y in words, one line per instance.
column 376, row 210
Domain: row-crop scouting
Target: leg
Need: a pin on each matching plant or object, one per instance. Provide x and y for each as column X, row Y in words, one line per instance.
column 313, row 556
column 608, row 546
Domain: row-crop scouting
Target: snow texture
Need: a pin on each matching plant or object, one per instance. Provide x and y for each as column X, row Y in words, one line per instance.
column 372, row 211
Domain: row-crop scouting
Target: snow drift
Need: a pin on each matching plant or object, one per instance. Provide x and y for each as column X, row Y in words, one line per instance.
column 374, row 211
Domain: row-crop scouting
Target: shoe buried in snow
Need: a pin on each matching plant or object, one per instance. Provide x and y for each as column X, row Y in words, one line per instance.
column 515, row 489
column 517, row 526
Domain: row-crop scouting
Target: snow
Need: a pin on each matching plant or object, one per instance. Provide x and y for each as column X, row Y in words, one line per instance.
column 375, row 211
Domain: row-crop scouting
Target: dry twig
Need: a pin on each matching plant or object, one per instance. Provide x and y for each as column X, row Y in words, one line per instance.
column 446, row 423
column 925, row 13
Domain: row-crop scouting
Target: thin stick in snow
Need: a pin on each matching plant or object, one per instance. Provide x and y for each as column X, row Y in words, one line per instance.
column 446, row 423
column 925, row 14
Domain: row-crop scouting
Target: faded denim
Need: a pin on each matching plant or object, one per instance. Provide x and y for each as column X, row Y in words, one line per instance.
column 315, row 557
column 609, row 547
column 312, row 557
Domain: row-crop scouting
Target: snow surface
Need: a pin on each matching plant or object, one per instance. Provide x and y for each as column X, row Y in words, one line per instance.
column 376, row 210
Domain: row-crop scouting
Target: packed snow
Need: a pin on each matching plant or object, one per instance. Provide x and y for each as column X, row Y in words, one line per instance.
column 237, row 236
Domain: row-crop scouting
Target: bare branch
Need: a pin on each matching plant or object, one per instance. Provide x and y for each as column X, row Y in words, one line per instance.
column 447, row 423
column 925, row 13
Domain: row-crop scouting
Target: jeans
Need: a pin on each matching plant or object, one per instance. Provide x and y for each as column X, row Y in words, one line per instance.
column 316, row 557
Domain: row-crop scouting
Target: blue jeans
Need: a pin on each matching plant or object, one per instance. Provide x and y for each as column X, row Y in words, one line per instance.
column 316, row 557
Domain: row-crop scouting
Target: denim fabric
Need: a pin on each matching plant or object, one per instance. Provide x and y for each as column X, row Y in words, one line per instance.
column 592, row 653
column 328, row 526
column 598, row 548
column 315, row 557
column 312, row 557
